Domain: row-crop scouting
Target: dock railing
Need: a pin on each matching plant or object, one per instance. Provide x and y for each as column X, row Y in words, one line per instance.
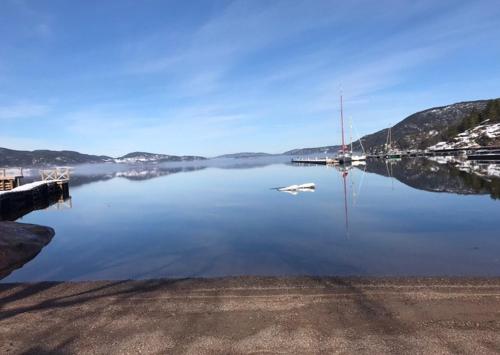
column 6, row 173
column 56, row 174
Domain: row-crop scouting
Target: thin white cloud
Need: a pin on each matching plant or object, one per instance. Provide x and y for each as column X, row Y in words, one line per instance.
column 23, row 110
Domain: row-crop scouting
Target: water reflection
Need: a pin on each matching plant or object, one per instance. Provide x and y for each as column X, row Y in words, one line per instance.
column 61, row 201
column 442, row 174
column 134, row 174
column 438, row 174
column 172, row 221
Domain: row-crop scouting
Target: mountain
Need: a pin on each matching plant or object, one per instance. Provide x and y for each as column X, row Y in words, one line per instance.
column 426, row 128
column 244, row 155
column 10, row 157
column 479, row 129
column 143, row 157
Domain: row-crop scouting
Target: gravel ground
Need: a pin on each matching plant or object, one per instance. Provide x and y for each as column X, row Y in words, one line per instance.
column 253, row 315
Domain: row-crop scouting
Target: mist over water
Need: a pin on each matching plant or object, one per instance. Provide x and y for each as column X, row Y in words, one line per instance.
column 223, row 217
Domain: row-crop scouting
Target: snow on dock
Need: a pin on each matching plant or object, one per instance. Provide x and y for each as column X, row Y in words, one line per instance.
column 19, row 200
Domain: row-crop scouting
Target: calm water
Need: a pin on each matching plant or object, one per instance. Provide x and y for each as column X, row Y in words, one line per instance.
column 414, row 217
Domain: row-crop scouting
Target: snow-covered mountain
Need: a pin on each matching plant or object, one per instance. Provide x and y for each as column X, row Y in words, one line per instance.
column 483, row 135
column 425, row 128
column 143, row 157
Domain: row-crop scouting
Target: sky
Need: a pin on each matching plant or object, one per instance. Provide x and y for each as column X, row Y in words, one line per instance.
column 213, row 77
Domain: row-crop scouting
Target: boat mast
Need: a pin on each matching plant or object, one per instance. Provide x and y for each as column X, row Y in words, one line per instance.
column 350, row 132
column 388, row 140
column 342, row 122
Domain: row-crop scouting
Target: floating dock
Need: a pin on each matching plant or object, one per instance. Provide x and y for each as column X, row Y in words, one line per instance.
column 318, row 161
column 22, row 199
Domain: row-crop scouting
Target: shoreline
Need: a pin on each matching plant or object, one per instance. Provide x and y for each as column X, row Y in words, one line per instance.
column 253, row 315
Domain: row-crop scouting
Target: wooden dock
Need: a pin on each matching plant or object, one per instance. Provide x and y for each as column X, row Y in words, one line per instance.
column 10, row 178
column 22, row 199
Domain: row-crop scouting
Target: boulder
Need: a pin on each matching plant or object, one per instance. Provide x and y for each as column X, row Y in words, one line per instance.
column 19, row 243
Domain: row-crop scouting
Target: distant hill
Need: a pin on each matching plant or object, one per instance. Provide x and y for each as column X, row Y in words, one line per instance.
column 244, row 155
column 426, row 128
column 331, row 149
column 143, row 157
column 10, row 157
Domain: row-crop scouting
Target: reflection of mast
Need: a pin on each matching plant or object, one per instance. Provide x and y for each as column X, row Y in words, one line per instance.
column 344, row 178
column 344, row 170
column 356, row 192
column 390, row 173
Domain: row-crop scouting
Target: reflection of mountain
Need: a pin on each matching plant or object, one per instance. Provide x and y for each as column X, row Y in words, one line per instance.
column 135, row 174
column 244, row 155
column 146, row 174
column 151, row 171
column 455, row 176
column 144, row 158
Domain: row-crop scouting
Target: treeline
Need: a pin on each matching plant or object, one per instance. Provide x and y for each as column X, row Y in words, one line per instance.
column 491, row 114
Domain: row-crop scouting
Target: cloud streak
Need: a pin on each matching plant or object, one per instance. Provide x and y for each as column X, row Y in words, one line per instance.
column 22, row 110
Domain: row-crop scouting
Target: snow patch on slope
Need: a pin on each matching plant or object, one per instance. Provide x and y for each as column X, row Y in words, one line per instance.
column 142, row 158
column 470, row 138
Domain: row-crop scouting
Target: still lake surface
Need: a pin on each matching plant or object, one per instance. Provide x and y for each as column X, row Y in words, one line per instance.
column 412, row 217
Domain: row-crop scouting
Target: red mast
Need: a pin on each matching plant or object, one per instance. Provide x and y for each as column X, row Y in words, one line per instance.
column 342, row 123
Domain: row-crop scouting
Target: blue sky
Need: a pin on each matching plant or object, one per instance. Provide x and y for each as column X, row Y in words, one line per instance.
column 212, row 77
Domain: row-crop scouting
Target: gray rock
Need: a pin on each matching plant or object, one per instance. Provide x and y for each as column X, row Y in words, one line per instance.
column 19, row 243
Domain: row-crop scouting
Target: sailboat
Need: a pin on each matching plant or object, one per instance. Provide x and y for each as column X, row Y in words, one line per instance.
column 391, row 153
column 357, row 158
column 344, row 155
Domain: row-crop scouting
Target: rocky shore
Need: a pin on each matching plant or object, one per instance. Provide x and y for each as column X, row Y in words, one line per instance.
column 254, row 315
column 19, row 243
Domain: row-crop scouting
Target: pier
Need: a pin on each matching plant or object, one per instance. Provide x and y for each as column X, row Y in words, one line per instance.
column 22, row 199
column 317, row 161
column 10, row 178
